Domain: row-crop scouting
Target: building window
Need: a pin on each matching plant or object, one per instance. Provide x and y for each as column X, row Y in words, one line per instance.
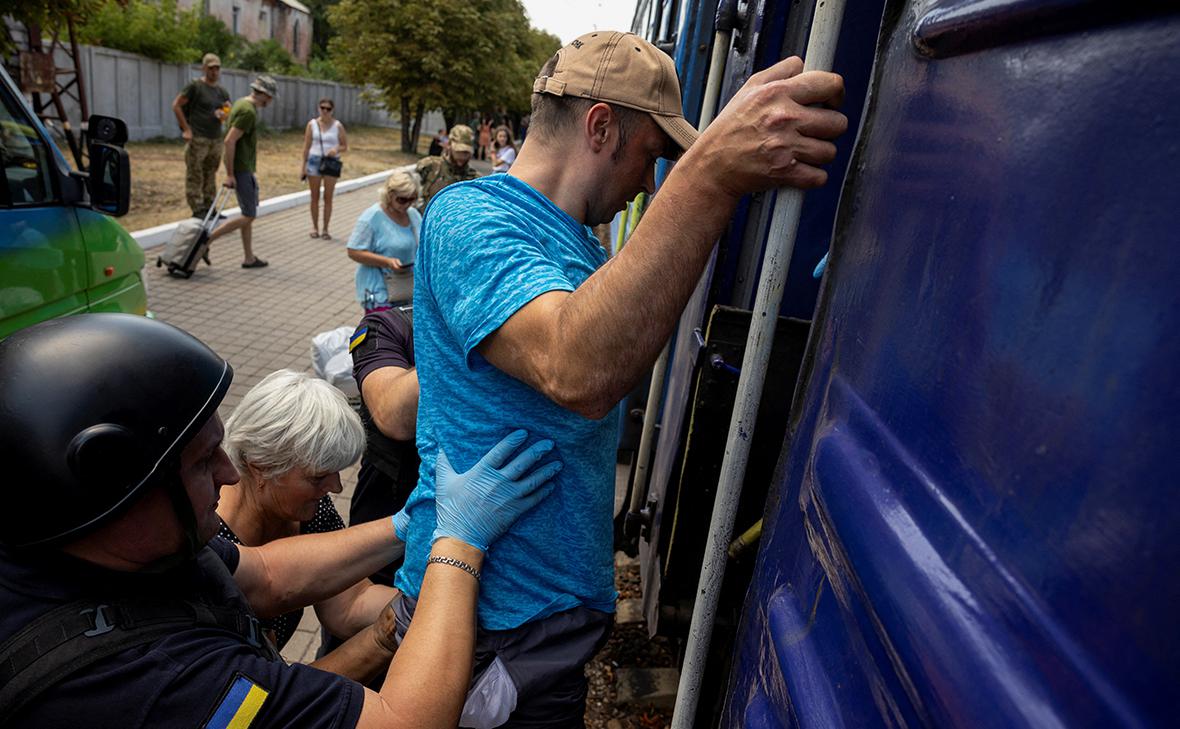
column 295, row 40
column 237, row 15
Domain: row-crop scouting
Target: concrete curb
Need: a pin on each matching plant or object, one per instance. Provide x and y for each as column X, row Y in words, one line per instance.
column 159, row 235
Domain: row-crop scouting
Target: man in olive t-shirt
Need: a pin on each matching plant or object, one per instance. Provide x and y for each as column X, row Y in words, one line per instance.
column 240, row 158
column 200, row 108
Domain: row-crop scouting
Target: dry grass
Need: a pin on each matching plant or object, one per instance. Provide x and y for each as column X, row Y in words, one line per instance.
column 157, row 170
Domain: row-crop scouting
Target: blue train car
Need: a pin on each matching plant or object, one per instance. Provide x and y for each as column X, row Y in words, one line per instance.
column 966, row 451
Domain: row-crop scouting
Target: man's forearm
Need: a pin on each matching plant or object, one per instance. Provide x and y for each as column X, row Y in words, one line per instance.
column 228, row 156
column 610, row 330
column 299, row 571
column 361, row 658
column 180, row 119
column 586, row 349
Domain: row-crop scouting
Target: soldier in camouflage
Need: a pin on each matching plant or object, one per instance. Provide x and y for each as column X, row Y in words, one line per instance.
column 200, row 109
column 438, row 172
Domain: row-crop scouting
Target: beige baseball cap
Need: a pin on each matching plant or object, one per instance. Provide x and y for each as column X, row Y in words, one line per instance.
column 211, row 59
column 462, row 138
column 623, row 69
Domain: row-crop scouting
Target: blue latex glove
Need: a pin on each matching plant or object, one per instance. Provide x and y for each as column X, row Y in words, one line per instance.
column 401, row 522
column 821, row 267
column 478, row 506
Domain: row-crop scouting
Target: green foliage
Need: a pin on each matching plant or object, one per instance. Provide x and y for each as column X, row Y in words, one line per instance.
column 321, row 29
column 214, row 36
column 47, row 14
column 440, row 54
column 266, row 56
column 324, row 68
column 156, row 29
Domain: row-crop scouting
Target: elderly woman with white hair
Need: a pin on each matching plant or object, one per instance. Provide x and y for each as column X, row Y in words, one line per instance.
column 289, row 438
column 384, row 243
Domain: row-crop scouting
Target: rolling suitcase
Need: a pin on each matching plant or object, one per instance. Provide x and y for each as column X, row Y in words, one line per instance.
column 190, row 241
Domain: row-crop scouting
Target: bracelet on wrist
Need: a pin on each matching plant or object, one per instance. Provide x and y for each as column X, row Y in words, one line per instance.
column 452, row 562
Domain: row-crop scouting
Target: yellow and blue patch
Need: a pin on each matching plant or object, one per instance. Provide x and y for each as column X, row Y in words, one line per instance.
column 240, row 705
column 357, row 338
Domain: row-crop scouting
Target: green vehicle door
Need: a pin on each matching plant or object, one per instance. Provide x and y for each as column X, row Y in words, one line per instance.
column 57, row 255
column 43, row 266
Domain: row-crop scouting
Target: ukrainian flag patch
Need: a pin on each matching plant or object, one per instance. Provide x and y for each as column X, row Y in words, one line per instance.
column 357, row 338
column 239, row 706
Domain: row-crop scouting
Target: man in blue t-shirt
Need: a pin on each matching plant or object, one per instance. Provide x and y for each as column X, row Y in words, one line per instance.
column 520, row 319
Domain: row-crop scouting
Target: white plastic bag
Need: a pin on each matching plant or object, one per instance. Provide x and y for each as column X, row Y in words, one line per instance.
column 332, row 362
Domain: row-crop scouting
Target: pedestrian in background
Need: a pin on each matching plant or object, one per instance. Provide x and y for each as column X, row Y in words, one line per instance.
column 324, row 140
column 435, row 173
column 200, row 108
column 384, row 244
column 241, row 158
column 503, row 150
column 485, row 137
column 438, row 143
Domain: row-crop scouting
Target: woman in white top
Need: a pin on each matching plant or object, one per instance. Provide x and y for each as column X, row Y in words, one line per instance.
column 324, row 137
column 503, row 150
column 384, row 244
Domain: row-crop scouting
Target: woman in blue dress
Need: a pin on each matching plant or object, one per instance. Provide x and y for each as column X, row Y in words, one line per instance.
column 384, row 243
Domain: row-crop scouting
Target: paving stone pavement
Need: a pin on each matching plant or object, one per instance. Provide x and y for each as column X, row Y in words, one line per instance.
column 262, row 320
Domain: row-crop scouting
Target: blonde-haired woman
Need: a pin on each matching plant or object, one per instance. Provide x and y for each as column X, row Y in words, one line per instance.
column 384, row 244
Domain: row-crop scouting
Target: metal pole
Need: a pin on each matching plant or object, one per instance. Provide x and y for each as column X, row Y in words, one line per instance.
column 821, row 49
column 655, row 392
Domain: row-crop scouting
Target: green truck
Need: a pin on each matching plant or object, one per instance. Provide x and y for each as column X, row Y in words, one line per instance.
column 61, row 252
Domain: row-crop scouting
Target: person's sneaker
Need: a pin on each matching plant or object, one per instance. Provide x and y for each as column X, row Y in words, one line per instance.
column 256, row 263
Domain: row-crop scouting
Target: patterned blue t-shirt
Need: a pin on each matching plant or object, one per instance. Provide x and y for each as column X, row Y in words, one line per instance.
column 490, row 246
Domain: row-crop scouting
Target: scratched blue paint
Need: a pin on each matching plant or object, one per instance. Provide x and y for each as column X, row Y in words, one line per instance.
column 976, row 523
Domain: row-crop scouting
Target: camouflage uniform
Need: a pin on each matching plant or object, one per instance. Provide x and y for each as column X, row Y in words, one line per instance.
column 204, row 108
column 202, row 155
column 436, row 173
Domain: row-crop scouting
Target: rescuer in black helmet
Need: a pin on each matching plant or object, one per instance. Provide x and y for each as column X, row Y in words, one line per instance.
column 119, row 607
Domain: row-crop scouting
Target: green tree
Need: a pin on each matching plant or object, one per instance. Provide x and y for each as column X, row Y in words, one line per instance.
column 269, row 56
column 153, row 28
column 213, row 36
column 439, row 54
column 47, row 15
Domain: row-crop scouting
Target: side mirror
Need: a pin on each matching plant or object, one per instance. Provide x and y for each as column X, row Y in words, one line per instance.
column 109, row 181
column 106, row 129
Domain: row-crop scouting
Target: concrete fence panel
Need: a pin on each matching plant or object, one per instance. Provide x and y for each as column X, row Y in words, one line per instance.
column 140, row 91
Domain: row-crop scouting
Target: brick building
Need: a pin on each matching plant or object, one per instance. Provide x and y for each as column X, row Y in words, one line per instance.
column 288, row 22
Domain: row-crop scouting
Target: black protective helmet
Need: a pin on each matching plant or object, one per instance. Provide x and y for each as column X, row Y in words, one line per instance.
column 94, row 410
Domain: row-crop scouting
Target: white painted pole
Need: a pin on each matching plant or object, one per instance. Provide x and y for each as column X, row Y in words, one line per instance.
column 784, row 225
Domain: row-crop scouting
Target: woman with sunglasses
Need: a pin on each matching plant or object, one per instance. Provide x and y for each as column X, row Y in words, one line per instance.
column 384, row 244
column 324, row 137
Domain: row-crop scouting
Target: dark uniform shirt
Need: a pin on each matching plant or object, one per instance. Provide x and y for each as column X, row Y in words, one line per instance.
column 202, row 101
column 389, row 468
column 326, row 519
column 194, row 677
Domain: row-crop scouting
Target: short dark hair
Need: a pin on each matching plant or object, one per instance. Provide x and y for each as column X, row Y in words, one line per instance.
column 329, row 102
column 552, row 116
